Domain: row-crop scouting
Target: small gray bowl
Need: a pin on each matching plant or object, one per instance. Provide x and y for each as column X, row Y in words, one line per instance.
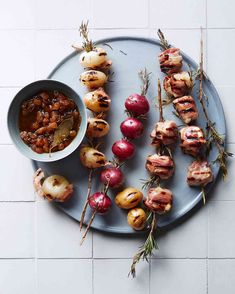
column 13, row 119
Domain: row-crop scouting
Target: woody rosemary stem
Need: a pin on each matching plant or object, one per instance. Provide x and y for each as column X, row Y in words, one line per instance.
column 88, row 227
column 201, row 84
column 87, row 197
column 214, row 136
column 145, row 251
column 159, row 97
column 162, row 39
column 144, row 76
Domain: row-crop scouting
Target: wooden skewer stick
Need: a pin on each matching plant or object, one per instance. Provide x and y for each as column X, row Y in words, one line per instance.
column 86, row 203
column 88, row 227
column 159, row 97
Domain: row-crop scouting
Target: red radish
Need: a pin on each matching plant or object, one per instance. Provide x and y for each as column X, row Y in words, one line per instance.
column 137, row 104
column 100, row 203
column 113, row 177
column 132, row 128
column 123, row 149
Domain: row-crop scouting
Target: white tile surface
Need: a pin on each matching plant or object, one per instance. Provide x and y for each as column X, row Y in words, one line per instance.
column 17, row 230
column 17, row 57
column 61, row 14
column 174, row 243
column 58, row 235
column 111, row 276
column 17, row 276
column 178, row 276
column 17, row 14
column 17, row 183
column 6, row 96
column 177, row 14
column 221, row 276
column 219, row 59
column 62, row 276
column 220, row 14
column 221, row 239
column 120, row 14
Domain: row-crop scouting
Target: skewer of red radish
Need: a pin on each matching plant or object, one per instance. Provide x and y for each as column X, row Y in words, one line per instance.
column 160, row 166
column 137, row 106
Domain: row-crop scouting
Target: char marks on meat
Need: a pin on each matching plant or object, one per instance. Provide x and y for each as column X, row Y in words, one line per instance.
column 199, row 173
column 186, row 108
column 164, row 133
column 160, row 165
column 192, row 140
column 170, row 60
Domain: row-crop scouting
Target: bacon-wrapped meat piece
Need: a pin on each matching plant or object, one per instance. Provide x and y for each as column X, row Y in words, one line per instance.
column 160, row 165
column 186, row 108
column 159, row 200
column 178, row 84
column 192, row 140
column 170, row 60
column 199, row 173
column 164, row 133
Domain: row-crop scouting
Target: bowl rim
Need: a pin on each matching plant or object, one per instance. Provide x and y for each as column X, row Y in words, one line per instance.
column 73, row 145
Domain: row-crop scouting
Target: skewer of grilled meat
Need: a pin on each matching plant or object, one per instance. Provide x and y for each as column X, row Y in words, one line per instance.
column 178, row 84
column 170, row 60
column 160, row 165
column 159, row 200
column 165, row 132
column 199, row 173
column 192, row 140
column 186, row 109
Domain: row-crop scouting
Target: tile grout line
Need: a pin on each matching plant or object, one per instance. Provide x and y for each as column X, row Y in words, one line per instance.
column 206, row 61
column 92, row 233
column 92, row 261
column 114, row 28
column 92, row 277
column 115, row 258
column 36, row 245
column 207, row 258
column 149, row 266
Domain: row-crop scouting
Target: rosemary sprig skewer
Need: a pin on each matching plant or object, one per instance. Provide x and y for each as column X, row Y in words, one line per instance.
column 89, row 186
column 159, row 97
column 84, row 33
column 214, row 135
column 164, row 42
column 146, row 250
column 144, row 77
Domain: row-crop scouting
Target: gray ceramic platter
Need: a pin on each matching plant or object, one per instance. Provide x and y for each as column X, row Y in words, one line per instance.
column 139, row 53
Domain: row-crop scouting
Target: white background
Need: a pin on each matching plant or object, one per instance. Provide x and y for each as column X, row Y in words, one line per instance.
column 39, row 246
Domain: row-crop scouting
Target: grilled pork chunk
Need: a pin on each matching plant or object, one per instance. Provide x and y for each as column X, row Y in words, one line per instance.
column 192, row 140
column 159, row 200
column 170, row 60
column 160, row 165
column 199, row 173
column 178, row 84
column 164, row 133
column 186, row 108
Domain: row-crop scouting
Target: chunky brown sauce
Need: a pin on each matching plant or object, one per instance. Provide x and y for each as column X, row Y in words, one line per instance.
column 43, row 115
